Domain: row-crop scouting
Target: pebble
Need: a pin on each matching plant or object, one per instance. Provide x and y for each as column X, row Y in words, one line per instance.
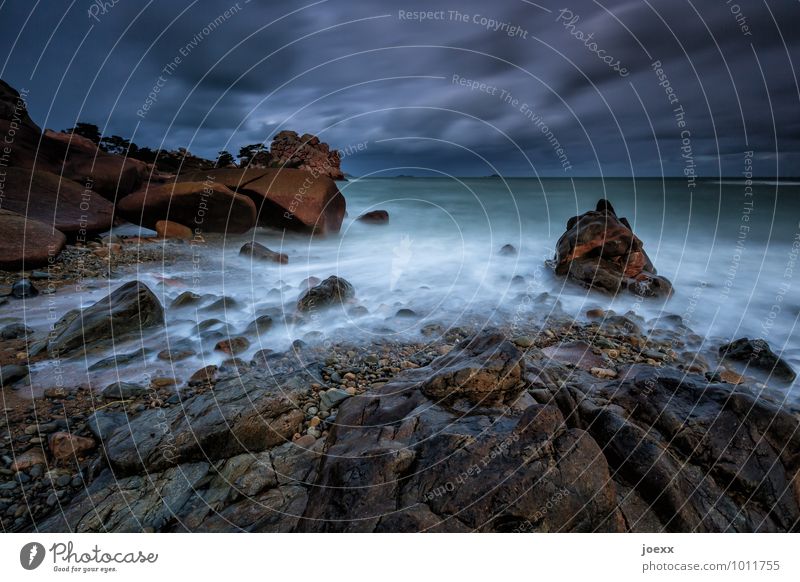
column 603, row 373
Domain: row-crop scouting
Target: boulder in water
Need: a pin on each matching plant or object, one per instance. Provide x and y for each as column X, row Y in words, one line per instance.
column 600, row 251
column 375, row 217
column 259, row 252
column 760, row 356
column 332, row 290
column 130, row 307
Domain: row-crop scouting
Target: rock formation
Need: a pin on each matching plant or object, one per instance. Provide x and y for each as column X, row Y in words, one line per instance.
column 307, row 153
column 600, row 251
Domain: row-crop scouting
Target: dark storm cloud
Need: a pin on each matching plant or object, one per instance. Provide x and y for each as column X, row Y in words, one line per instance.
column 360, row 71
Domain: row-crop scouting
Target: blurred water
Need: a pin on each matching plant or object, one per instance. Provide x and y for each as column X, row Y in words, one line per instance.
column 729, row 254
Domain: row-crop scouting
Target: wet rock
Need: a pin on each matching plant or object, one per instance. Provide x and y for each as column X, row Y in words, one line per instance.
column 759, row 355
column 205, row 375
column 10, row 374
column 332, row 398
column 66, row 446
column 331, row 291
column 702, row 457
column 600, row 251
column 259, row 252
column 186, row 299
column 399, row 461
column 102, row 423
column 508, row 251
column 233, row 346
column 249, row 413
column 485, row 369
column 405, row 313
column 23, row 288
column 15, row 331
column 131, row 307
column 261, row 324
column 375, row 217
column 123, row 391
column 578, row 354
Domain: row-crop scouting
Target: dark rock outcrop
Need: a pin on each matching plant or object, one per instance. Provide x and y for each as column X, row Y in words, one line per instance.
column 331, row 291
column 131, row 307
column 600, row 251
column 760, row 356
column 259, row 252
column 375, row 217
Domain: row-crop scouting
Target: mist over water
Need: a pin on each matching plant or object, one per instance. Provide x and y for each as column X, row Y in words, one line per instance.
column 730, row 257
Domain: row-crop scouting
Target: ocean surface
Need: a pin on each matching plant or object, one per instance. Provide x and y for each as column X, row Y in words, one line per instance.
column 729, row 248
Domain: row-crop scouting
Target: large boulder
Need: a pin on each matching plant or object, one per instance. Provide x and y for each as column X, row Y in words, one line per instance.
column 206, row 205
column 600, row 251
column 131, row 307
column 328, row 293
column 248, row 413
column 27, row 243
column 691, row 456
column 397, row 460
column 50, row 199
column 286, row 198
column 757, row 354
column 307, row 153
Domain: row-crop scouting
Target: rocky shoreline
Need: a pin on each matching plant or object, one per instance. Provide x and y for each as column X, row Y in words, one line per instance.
column 602, row 423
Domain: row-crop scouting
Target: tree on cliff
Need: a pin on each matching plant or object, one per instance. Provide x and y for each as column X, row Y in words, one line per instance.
column 224, row 159
column 87, row 130
column 247, row 153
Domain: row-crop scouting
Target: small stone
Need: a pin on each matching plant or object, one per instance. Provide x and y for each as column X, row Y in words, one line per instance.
column 10, row 374
column 314, row 421
column 305, row 441
column 23, row 289
column 123, row 391
column 731, row 377
column 603, row 373
column 168, row 229
column 523, row 341
column 28, row 459
column 233, row 346
column 66, row 446
column 332, row 397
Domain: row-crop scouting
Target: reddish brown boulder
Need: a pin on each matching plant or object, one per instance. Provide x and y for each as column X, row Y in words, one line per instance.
column 285, row 198
column 28, row 243
column 66, row 446
column 307, row 153
column 169, row 229
column 207, row 205
column 600, row 251
column 65, row 204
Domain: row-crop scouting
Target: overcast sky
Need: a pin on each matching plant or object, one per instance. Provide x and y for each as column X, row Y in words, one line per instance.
column 369, row 72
